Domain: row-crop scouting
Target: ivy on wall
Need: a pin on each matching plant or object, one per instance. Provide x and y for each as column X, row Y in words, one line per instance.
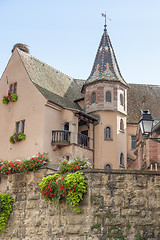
column 6, row 202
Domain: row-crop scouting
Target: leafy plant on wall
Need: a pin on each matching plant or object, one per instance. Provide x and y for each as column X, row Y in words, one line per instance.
column 5, row 100
column 6, row 202
column 71, row 186
column 17, row 137
column 27, row 165
column 13, row 98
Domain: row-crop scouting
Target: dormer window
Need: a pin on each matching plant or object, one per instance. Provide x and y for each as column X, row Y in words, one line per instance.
column 13, row 88
column 121, row 99
column 108, row 96
column 93, row 98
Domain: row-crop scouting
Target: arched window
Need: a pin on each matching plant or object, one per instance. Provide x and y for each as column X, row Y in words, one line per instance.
column 121, row 99
column 66, row 126
column 93, row 97
column 121, row 125
column 122, row 159
column 108, row 133
column 108, row 96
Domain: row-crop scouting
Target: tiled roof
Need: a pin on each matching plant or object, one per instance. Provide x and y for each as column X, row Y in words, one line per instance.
column 139, row 93
column 54, row 85
column 105, row 66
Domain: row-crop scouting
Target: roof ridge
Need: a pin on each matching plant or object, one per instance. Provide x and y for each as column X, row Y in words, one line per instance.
column 29, row 55
column 146, row 84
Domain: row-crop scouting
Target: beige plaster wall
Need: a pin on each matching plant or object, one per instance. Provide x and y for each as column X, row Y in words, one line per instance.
column 108, row 151
column 131, row 131
column 52, row 121
column 30, row 106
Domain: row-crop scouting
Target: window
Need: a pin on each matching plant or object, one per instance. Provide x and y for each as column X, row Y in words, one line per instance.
column 13, row 88
column 108, row 96
column 108, row 133
column 133, row 142
column 121, row 99
column 93, row 98
column 20, row 125
column 121, row 159
column 121, row 125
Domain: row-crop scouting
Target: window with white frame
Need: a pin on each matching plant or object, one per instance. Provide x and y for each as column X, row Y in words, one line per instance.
column 20, row 126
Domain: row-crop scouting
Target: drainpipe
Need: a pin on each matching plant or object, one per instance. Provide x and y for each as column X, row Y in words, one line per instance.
column 93, row 142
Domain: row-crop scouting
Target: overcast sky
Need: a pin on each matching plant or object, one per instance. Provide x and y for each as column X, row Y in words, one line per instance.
column 66, row 33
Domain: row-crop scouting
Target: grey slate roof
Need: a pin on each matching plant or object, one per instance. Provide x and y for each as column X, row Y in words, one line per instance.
column 64, row 90
column 105, row 66
column 138, row 93
column 53, row 84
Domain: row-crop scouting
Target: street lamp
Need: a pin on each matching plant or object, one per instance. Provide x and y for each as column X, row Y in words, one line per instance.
column 146, row 122
column 146, row 125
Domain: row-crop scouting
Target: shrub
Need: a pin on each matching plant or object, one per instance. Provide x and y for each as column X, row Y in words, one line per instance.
column 70, row 187
column 5, row 100
column 73, row 165
column 30, row 164
column 17, row 137
column 14, row 97
column 6, row 202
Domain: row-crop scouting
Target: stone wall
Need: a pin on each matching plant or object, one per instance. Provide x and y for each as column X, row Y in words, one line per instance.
column 118, row 205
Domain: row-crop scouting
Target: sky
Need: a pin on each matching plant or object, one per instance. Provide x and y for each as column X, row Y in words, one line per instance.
column 66, row 34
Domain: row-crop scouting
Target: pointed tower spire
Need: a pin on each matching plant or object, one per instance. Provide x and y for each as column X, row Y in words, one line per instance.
column 105, row 66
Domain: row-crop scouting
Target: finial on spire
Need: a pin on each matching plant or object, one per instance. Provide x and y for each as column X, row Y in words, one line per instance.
column 105, row 16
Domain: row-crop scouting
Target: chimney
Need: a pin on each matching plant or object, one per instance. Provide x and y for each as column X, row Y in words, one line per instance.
column 21, row 46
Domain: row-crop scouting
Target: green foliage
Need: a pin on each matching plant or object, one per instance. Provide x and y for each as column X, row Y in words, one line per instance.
column 116, row 234
column 96, row 226
column 128, row 225
column 139, row 237
column 77, row 186
column 6, row 202
column 30, row 164
column 73, row 165
column 70, row 187
column 5, row 100
column 123, row 216
column 17, row 137
column 14, row 97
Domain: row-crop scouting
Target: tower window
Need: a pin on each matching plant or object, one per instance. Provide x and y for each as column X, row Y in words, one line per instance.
column 93, row 98
column 133, row 142
column 122, row 159
column 108, row 133
column 121, row 99
column 121, row 125
column 108, row 96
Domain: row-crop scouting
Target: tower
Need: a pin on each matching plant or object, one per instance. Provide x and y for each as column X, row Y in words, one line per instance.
column 106, row 96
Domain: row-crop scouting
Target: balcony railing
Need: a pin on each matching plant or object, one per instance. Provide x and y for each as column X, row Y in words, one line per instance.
column 83, row 140
column 61, row 137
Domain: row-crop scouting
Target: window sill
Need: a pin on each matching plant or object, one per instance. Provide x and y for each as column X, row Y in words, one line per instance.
column 121, row 131
column 121, row 166
column 108, row 139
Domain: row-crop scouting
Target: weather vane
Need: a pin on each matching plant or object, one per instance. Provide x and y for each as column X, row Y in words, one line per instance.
column 104, row 15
